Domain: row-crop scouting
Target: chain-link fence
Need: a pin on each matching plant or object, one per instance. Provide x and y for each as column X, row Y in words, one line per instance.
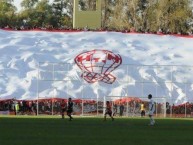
column 170, row 85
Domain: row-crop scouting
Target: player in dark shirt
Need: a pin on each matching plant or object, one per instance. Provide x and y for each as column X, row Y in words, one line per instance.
column 70, row 108
column 108, row 111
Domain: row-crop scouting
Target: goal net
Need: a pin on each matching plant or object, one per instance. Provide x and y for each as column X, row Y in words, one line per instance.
column 131, row 106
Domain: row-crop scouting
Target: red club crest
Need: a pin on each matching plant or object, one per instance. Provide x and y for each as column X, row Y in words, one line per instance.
column 97, row 65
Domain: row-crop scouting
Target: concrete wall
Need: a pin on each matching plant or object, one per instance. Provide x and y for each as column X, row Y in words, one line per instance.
column 91, row 19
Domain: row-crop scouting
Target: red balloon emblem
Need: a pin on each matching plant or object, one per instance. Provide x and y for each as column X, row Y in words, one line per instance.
column 97, row 65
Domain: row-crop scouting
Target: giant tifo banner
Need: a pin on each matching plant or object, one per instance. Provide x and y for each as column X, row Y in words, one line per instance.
column 95, row 65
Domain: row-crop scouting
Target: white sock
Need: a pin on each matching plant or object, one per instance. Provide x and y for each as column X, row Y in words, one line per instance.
column 152, row 121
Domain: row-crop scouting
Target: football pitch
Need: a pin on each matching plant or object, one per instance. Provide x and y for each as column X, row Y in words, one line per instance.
column 29, row 130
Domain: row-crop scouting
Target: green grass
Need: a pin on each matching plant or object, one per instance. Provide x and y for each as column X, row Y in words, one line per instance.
column 24, row 130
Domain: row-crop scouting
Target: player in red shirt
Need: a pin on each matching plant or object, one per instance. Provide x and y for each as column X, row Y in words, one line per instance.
column 63, row 108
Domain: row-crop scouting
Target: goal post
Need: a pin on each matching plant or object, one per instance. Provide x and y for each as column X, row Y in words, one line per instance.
column 132, row 105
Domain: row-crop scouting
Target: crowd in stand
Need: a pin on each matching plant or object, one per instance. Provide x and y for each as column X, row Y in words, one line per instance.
column 22, row 107
column 183, row 109
column 64, row 28
column 19, row 106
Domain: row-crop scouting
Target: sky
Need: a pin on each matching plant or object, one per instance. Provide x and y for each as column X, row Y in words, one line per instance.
column 17, row 3
column 156, row 64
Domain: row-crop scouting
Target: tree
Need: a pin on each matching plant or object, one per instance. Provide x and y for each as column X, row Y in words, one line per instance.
column 174, row 15
column 118, row 19
column 106, row 12
column 7, row 13
column 28, row 4
column 62, row 11
column 42, row 13
column 87, row 5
